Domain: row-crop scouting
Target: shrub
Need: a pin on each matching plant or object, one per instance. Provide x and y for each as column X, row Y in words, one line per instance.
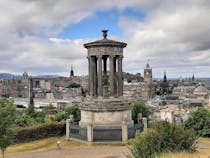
column 199, row 122
column 140, row 107
column 59, row 117
column 72, row 110
column 175, row 137
column 27, row 134
column 162, row 137
column 74, row 85
column 146, row 144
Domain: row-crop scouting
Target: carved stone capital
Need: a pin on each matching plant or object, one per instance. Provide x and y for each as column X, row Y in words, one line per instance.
column 120, row 57
column 99, row 57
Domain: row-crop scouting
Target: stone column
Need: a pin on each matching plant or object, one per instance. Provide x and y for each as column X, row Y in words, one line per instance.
column 105, row 77
column 120, row 79
column 144, row 121
column 67, row 128
column 124, row 132
column 115, row 78
column 90, row 75
column 100, row 75
column 31, row 93
column 90, row 133
column 105, row 65
column 139, row 118
column 68, row 125
column 111, row 75
column 94, row 76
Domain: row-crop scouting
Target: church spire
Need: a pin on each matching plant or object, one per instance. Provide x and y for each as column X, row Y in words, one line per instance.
column 72, row 71
column 165, row 78
column 193, row 78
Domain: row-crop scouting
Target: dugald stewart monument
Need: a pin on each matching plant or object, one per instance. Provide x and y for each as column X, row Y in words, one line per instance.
column 105, row 114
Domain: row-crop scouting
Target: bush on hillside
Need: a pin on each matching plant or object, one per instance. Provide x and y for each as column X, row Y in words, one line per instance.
column 162, row 137
column 199, row 121
column 27, row 134
column 72, row 110
column 140, row 107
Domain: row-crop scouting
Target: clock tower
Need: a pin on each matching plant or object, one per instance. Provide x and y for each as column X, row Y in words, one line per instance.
column 147, row 91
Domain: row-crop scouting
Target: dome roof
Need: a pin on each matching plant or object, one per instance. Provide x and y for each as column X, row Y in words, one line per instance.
column 105, row 42
column 25, row 74
column 201, row 89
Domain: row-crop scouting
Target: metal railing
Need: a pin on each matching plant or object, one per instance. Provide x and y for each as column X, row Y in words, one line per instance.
column 78, row 132
column 103, row 134
column 133, row 130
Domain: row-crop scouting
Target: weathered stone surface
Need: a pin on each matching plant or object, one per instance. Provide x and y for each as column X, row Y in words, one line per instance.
column 105, row 108
column 98, row 53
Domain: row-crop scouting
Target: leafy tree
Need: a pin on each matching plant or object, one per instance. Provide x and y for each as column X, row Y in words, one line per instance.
column 30, row 117
column 21, row 121
column 140, row 107
column 72, row 110
column 30, row 111
column 59, row 117
column 199, row 122
column 162, row 137
column 74, row 85
column 48, row 109
column 7, row 117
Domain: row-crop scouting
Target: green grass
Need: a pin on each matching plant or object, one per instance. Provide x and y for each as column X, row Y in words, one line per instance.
column 201, row 153
column 50, row 144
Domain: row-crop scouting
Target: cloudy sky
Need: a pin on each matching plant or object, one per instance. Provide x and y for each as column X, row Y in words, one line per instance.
column 47, row 36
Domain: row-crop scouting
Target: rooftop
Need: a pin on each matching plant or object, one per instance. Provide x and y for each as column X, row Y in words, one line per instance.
column 105, row 42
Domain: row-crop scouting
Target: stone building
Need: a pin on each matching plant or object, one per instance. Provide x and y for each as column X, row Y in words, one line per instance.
column 43, row 88
column 15, row 88
column 147, row 86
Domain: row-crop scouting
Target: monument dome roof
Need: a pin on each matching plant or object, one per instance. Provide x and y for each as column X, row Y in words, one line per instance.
column 105, row 42
column 201, row 89
column 25, row 74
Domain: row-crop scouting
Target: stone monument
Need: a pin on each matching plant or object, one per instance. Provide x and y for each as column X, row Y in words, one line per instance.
column 105, row 109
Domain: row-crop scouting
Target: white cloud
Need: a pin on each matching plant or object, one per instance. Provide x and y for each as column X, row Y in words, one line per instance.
column 174, row 35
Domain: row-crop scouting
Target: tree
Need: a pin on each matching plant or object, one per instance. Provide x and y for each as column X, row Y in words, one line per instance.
column 163, row 137
column 72, row 110
column 7, row 117
column 30, row 111
column 74, row 85
column 30, row 117
column 199, row 121
column 48, row 109
column 140, row 107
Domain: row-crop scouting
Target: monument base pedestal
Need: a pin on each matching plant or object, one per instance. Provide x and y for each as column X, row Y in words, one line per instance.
column 108, row 118
column 107, row 113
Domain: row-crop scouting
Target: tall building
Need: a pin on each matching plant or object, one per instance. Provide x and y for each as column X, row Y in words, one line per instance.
column 165, row 77
column 164, row 85
column 147, row 91
column 71, row 72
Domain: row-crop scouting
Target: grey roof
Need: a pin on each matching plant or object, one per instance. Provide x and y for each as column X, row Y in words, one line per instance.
column 105, row 42
column 201, row 89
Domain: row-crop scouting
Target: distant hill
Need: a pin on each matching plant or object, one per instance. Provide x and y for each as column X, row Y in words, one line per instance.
column 9, row 76
column 46, row 76
column 12, row 76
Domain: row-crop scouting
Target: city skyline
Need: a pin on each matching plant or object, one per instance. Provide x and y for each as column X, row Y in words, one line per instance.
column 47, row 37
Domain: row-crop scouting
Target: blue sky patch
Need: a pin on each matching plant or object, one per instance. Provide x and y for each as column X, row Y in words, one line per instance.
column 109, row 19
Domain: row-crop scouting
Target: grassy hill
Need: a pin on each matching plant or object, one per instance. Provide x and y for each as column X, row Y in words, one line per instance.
column 49, row 145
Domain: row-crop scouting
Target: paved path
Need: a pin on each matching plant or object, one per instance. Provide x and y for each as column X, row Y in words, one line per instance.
column 110, row 151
